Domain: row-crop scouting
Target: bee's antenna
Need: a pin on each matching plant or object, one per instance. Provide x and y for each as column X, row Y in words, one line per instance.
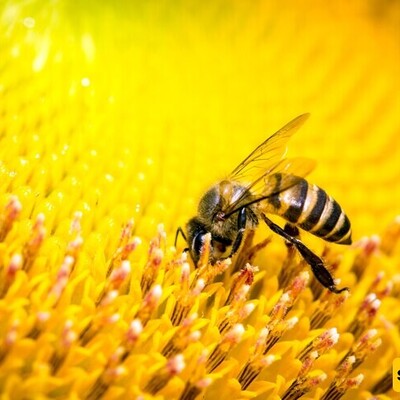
column 179, row 231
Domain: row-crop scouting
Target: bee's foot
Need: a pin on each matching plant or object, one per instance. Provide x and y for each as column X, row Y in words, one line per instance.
column 334, row 289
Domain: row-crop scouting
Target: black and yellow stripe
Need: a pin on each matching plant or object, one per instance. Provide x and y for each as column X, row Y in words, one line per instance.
column 309, row 207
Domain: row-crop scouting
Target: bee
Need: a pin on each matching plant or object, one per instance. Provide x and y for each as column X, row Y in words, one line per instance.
column 264, row 183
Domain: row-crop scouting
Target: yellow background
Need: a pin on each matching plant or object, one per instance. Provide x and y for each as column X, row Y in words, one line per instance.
column 396, row 374
column 147, row 103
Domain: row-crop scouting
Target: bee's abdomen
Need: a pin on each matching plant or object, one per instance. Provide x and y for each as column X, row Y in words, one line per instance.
column 312, row 209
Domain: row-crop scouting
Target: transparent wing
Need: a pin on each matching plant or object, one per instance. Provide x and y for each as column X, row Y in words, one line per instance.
column 258, row 171
column 287, row 173
column 268, row 154
column 279, row 177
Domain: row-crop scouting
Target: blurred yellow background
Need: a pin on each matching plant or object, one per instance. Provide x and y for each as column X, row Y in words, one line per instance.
column 133, row 108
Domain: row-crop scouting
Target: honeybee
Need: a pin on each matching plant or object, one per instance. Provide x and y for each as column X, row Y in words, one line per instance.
column 266, row 182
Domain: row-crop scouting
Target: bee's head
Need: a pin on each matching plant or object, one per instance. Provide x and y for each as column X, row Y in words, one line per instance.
column 196, row 233
column 221, row 237
column 218, row 199
column 210, row 207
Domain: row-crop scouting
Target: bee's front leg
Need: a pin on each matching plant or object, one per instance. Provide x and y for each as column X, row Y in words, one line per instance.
column 242, row 219
column 315, row 262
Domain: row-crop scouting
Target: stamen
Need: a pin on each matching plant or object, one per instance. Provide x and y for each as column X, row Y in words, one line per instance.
column 222, row 349
column 10, row 337
column 61, row 282
column 368, row 246
column 286, row 301
column 303, row 385
column 15, row 264
column 365, row 315
column 116, row 279
column 9, row 216
column 111, row 373
column 329, row 304
column 273, row 331
column 337, row 391
column 304, row 381
column 248, row 251
column 245, row 278
column 238, row 309
column 321, row 343
column 35, row 242
column 186, row 296
column 125, row 247
column 253, row 368
column 151, row 268
column 67, row 339
column 149, row 304
column 182, row 337
column 174, row 366
column 193, row 389
column 365, row 345
column 154, row 261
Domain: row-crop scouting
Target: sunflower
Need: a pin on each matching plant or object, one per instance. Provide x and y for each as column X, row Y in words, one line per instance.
column 115, row 118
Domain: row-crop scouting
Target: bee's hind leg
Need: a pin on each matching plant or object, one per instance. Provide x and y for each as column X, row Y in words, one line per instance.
column 315, row 262
column 292, row 231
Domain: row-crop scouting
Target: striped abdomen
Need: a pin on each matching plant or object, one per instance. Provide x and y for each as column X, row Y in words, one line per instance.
column 309, row 207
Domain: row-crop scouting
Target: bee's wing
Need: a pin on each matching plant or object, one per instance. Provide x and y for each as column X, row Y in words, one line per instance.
column 279, row 177
column 287, row 173
column 268, row 154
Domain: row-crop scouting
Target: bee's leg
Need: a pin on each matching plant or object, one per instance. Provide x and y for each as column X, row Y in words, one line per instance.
column 292, row 230
column 180, row 231
column 315, row 262
column 242, row 218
